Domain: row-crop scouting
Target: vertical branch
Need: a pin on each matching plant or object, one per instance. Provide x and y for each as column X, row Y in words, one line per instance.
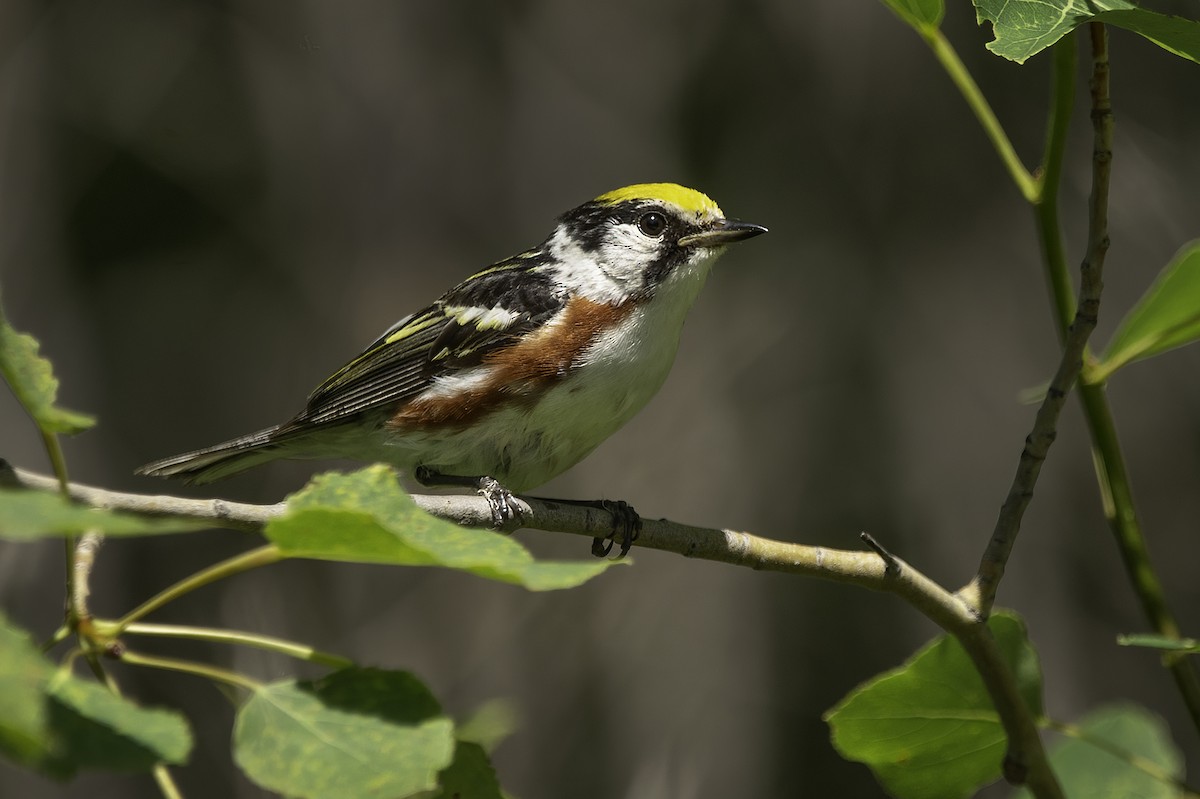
column 981, row 591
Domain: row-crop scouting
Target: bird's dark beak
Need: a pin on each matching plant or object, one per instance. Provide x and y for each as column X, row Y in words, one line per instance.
column 722, row 232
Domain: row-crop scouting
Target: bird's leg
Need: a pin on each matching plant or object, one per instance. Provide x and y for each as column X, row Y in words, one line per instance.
column 502, row 502
column 626, row 523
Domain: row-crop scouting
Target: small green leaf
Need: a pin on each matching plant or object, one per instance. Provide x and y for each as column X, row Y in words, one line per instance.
column 1174, row 34
column 1167, row 316
column 366, row 517
column 24, row 732
column 928, row 729
column 98, row 729
column 354, row 734
column 470, row 776
column 1110, row 753
column 490, row 724
column 923, row 15
column 32, row 381
column 58, row 724
column 1188, row 645
column 27, row 515
column 1024, row 28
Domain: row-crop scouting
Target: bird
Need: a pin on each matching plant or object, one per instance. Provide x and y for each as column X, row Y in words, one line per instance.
column 519, row 372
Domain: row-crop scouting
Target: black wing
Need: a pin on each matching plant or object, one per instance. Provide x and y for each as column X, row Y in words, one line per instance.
column 485, row 312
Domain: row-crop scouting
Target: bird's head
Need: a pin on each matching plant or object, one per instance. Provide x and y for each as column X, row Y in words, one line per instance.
column 632, row 240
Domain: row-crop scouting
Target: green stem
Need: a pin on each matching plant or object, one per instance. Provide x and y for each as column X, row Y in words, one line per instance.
column 60, row 635
column 166, row 783
column 1045, row 207
column 1111, row 472
column 269, row 643
column 255, row 558
column 190, row 667
column 946, row 55
column 57, row 462
column 1116, row 491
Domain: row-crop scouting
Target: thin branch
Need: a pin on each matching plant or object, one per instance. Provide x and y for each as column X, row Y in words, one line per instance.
column 981, row 591
column 83, row 559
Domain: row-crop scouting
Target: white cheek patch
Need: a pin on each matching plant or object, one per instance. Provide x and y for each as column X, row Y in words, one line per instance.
column 626, row 252
column 583, row 273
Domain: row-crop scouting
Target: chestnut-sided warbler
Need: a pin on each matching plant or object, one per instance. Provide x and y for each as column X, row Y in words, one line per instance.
column 519, row 372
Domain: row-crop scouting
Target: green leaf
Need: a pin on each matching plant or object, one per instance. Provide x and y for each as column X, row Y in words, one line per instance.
column 1188, row 645
column 490, row 724
column 924, row 15
column 1167, row 316
column 470, row 776
column 928, row 729
column 1110, row 753
column 366, row 517
column 98, row 729
column 1024, row 28
column 24, row 733
column 356, row 733
column 1174, row 34
column 26, row 515
column 58, row 724
column 32, row 381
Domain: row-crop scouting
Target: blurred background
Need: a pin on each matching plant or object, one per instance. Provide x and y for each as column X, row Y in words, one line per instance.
column 209, row 206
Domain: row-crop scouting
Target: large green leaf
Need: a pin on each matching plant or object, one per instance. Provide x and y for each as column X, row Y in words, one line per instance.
column 354, row 734
column 928, row 729
column 1024, row 28
column 921, row 14
column 1167, row 316
column 59, row 724
column 26, row 515
column 1100, row 763
column 32, row 380
column 366, row 517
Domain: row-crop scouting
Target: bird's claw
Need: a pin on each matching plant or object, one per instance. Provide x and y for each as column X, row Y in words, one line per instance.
column 625, row 528
column 501, row 501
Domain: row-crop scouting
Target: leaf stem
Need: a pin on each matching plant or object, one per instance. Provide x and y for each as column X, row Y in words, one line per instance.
column 190, row 667
column 255, row 558
column 948, row 57
column 237, row 637
column 166, row 783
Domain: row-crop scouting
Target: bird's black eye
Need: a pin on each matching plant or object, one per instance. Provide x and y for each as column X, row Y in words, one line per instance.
column 652, row 223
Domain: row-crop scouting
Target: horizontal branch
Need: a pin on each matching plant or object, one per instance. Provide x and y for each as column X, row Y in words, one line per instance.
column 874, row 568
column 865, row 568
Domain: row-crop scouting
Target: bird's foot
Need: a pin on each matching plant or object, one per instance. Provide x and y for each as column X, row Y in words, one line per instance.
column 625, row 528
column 503, row 503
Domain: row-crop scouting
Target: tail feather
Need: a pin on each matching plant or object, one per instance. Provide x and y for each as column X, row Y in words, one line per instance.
column 219, row 461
